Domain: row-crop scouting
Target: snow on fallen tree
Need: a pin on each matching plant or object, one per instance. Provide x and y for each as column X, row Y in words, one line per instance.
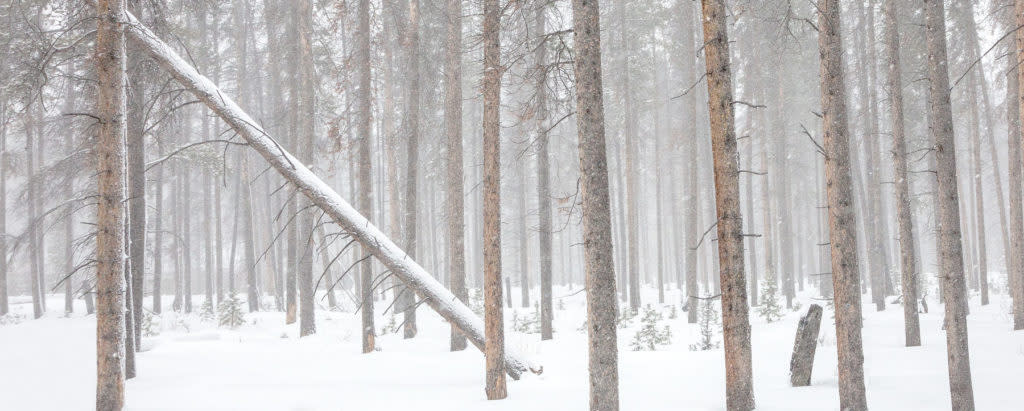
column 323, row 196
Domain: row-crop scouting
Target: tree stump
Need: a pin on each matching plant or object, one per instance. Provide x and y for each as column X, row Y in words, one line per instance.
column 803, row 349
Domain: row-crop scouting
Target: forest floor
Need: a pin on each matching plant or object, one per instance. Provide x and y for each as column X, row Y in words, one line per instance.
column 49, row 364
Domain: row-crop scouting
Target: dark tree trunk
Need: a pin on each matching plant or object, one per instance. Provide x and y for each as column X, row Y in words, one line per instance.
column 597, row 230
column 842, row 221
column 950, row 250
column 735, row 318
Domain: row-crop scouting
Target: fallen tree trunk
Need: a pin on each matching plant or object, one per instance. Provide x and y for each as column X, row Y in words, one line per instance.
column 341, row 212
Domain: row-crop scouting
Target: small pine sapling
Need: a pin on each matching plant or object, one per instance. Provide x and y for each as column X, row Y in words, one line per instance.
column 231, row 314
column 650, row 336
column 708, row 322
column 206, row 312
column 150, row 324
column 770, row 308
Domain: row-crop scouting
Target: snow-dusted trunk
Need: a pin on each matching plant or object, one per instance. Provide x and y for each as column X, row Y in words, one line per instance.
column 4, row 302
column 692, row 203
column 630, row 142
column 951, row 267
column 842, row 221
column 69, row 221
column 136, row 148
column 974, row 46
column 306, row 114
column 597, row 230
column 495, row 329
column 904, row 214
column 979, row 193
column 456, row 211
column 1014, row 115
column 31, row 228
column 543, row 176
column 407, row 301
column 735, row 318
column 366, row 188
column 325, row 198
column 110, row 154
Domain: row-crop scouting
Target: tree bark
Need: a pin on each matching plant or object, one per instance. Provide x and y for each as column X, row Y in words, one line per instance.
column 110, row 153
column 842, row 221
column 692, row 204
column 1014, row 115
column 136, row 147
column 543, row 175
column 950, row 250
column 630, row 142
column 412, row 127
column 597, row 235
column 904, row 212
column 735, row 318
column 307, row 114
column 365, row 168
column 495, row 328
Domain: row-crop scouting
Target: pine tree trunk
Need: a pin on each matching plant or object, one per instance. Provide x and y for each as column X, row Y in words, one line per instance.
column 630, row 142
column 158, row 239
column 366, row 189
column 597, row 234
column 38, row 294
column 110, row 153
column 842, row 221
column 692, row 204
column 136, row 147
column 950, row 250
column 979, row 192
column 69, row 221
column 1014, row 115
column 307, row 114
column 412, row 127
column 4, row 299
column 904, row 213
column 544, row 228
column 735, row 317
column 494, row 325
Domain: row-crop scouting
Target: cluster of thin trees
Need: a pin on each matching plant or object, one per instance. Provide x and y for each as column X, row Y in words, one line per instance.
column 186, row 92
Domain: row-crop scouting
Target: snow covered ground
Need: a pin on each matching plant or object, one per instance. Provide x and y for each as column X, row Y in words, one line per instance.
column 49, row 364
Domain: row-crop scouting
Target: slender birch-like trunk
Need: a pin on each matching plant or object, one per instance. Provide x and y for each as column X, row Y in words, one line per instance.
column 904, row 212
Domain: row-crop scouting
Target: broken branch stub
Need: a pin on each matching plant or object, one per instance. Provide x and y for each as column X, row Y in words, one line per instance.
column 803, row 349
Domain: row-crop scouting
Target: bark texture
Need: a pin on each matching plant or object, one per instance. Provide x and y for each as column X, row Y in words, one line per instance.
column 543, row 177
column 597, row 230
column 495, row 329
column 110, row 153
column 802, row 362
column 739, row 391
column 841, row 218
column 365, row 185
column 904, row 215
column 950, row 248
column 1016, row 118
column 453, row 128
